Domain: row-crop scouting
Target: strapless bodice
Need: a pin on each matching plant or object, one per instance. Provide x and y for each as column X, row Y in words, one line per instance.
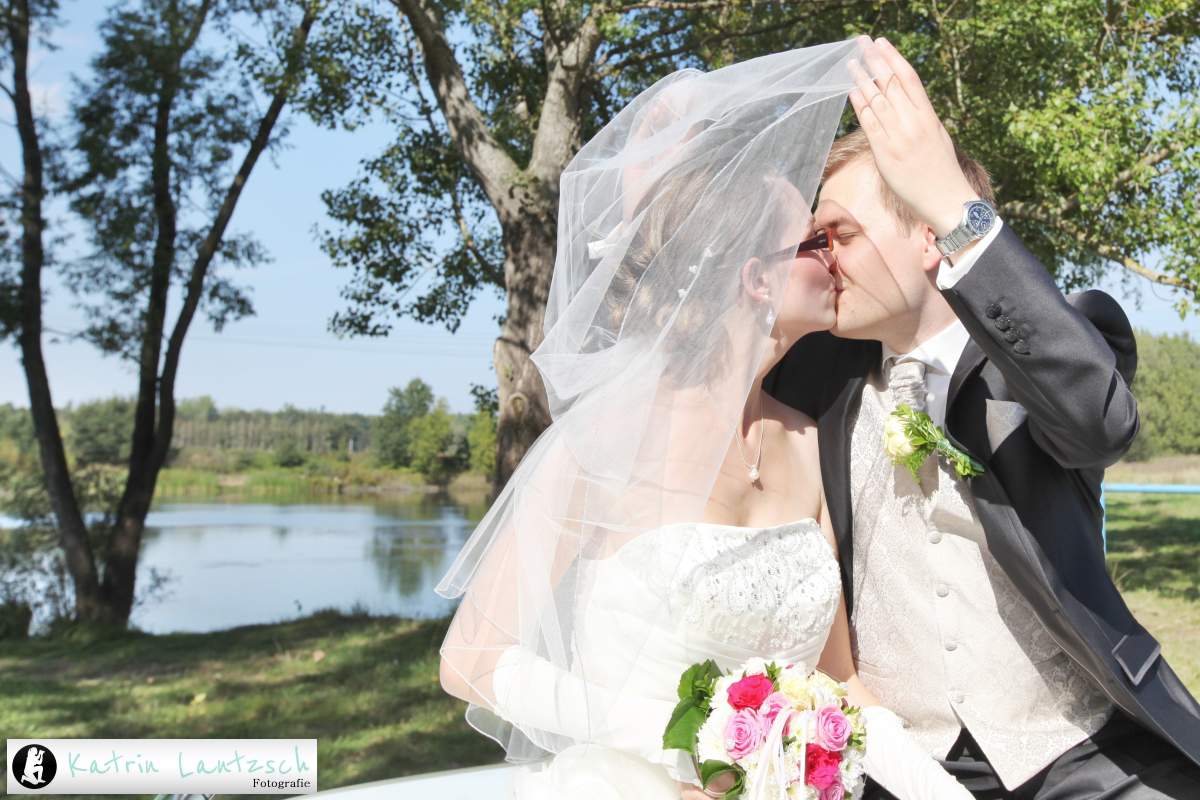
column 686, row 592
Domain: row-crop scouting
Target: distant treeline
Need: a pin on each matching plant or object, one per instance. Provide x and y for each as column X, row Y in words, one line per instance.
column 199, row 423
column 417, row 431
column 414, row 431
column 1167, row 387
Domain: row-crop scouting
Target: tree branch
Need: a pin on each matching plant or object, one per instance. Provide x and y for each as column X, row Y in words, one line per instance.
column 719, row 37
column 455, row 202
column 492, row 166
column 670, row 5
column 1028, row 211
column 212, row 242
column 556, row 139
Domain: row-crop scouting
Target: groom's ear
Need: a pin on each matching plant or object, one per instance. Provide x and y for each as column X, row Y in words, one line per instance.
column 753, row 281
column 931, row 257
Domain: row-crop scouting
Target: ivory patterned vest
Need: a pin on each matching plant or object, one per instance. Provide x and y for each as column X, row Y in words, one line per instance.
column 940, row 633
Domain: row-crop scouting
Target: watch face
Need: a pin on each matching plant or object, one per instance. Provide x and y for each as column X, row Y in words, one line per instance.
column 980, row 217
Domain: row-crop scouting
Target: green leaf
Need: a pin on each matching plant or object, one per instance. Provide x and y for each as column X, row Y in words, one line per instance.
column 685, row 722
column 712, row 768
column 697, row 682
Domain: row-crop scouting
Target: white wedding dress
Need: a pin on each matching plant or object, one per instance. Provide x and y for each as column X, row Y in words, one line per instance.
column 769, row 591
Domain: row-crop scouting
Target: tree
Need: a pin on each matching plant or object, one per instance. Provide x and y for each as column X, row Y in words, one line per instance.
column 481, row 442
column 100, row 431
column 1085, row 113
column 1167, row 385
column 490, row 101
column 165, row 144
column 432, row 445
column 392, row 433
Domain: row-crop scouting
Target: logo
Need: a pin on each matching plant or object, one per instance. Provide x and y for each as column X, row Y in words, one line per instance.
column 34, row 766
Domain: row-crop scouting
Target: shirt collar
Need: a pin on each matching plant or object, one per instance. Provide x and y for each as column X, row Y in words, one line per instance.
column 939, row 352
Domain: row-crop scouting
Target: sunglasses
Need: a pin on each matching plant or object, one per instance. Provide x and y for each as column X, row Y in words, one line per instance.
column 818, row 242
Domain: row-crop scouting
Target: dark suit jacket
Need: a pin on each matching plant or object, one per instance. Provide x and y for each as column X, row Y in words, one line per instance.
column 1069, row 361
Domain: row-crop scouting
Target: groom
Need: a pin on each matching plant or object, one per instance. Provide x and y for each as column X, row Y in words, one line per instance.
column 980, row 607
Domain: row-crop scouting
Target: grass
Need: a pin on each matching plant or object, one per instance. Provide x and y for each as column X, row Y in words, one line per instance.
column 1162, row 469
column 1154, row 557
column 365, row 687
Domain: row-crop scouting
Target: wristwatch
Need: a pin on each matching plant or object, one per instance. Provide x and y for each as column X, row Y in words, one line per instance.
column 978, row 218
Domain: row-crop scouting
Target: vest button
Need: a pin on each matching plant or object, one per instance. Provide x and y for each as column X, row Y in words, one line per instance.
column 942, row 591
column 958, row 699
column 951, row 647
column 935, row 537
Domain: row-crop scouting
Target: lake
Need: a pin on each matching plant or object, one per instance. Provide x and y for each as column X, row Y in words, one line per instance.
column 231, row 564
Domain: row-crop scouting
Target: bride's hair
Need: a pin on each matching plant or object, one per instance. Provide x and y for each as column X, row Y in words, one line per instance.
column 684, row 198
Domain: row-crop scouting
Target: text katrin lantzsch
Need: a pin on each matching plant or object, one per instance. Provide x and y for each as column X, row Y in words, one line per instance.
column 119, row 763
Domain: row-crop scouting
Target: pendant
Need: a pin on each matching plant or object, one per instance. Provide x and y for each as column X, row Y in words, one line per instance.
column 753, row 474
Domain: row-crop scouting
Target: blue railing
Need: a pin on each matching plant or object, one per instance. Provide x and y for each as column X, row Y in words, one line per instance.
column 1139, row 488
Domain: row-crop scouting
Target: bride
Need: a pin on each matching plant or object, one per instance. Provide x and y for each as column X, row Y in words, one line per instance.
column 673, row 512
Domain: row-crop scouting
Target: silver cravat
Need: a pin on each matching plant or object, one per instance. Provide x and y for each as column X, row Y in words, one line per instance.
column 906, row 382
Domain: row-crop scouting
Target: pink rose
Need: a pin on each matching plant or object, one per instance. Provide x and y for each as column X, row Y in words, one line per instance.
column 744, row 733
column 833, row 791
column 833, row 729
column 750, row 691
column 825, row 776
column 770, row 708
column 821, row 767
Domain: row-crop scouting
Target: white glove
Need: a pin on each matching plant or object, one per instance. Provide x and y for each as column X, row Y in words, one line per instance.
column 899, row 765
column 534, row 693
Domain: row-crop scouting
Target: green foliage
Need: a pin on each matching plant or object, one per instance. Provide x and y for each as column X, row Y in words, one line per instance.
column 391, row 431
column 288, row 454
column 926, row 439
column 203, row 426
column 161, row 125
column 1167, row 388
column 100, row 431
column 695, row 699
column 1087, row 116
column 481, row 440
column 197, row 409
column 431, row 445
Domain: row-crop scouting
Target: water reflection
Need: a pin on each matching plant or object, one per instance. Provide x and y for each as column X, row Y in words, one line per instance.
column 241, row 563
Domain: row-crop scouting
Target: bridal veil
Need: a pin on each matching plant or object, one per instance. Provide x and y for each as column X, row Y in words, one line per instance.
column 651, row 348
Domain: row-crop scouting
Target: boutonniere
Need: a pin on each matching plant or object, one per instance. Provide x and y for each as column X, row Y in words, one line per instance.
column 910, row 437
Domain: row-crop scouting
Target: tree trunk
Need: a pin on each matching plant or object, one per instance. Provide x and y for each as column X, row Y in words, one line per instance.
column 72, row 529
column 528, row 266
column 155, row 423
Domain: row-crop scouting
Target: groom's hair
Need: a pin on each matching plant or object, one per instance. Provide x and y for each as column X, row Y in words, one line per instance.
column 855, row 146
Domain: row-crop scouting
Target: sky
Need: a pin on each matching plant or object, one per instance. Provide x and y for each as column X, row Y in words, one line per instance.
column 285, row 354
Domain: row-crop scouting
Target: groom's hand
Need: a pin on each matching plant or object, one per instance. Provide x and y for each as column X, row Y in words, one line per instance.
column 913, row 152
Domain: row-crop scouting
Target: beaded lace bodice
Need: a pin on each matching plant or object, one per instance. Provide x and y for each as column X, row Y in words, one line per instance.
column 687, row 592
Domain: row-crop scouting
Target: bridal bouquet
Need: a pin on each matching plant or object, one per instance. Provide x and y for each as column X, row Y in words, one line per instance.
column 779, row 731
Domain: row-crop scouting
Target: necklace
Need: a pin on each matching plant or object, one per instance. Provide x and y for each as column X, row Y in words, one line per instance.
column 752, row 469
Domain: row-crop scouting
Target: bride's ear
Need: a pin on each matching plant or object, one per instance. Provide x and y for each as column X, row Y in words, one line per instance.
column 754, row 282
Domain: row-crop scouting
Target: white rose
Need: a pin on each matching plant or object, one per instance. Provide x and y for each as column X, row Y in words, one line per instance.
column 754, row 666
column 710, row 739
column 895, row 440
column 802, row 791
column 794, row 684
